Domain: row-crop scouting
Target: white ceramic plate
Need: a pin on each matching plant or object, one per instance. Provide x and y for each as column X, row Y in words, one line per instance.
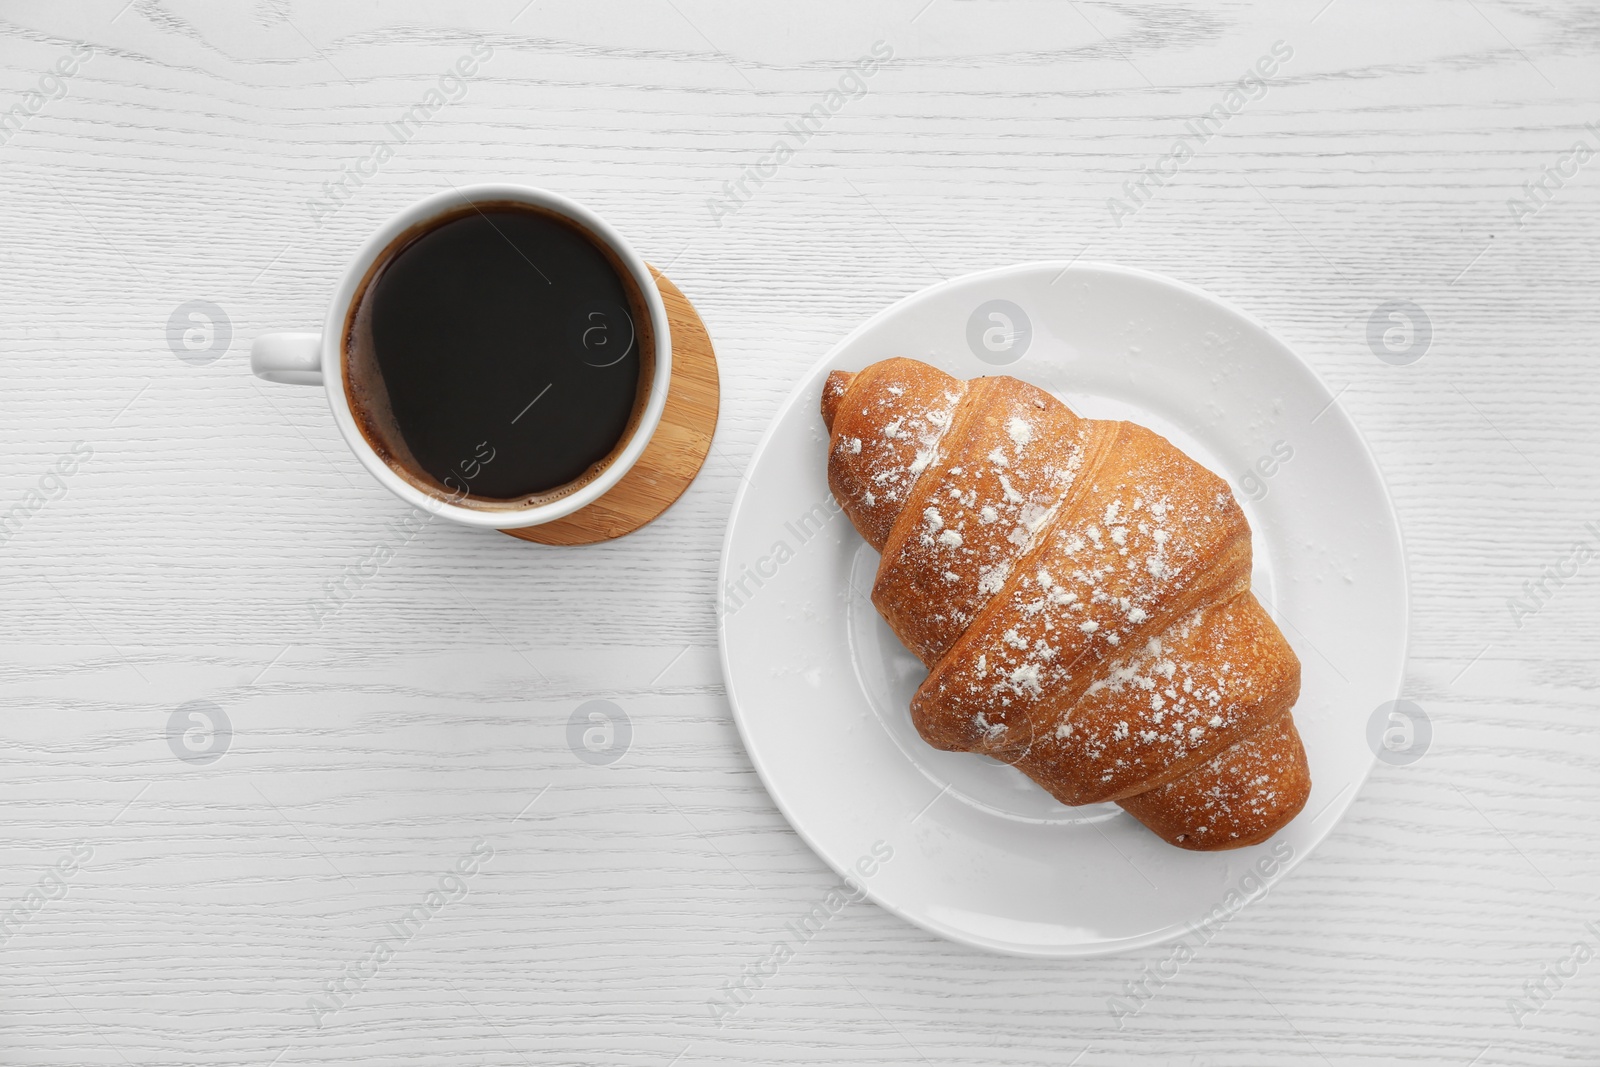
column 821, row 687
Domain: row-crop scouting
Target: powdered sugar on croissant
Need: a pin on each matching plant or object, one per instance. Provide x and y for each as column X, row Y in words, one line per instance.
column 1079, row 590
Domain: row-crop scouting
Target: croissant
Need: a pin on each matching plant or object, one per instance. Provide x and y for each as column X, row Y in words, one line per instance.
column 1079, row 590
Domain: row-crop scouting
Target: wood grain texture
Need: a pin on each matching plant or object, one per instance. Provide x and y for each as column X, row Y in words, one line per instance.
column 677, row 449
column 375, row 743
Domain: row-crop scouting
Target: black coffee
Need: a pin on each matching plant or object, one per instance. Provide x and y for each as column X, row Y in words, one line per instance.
column 500, row 352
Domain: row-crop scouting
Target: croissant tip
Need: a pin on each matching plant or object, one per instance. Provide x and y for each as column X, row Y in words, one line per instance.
column 833, row 391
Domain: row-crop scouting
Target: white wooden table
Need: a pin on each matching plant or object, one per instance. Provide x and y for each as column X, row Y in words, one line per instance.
column 202, row 910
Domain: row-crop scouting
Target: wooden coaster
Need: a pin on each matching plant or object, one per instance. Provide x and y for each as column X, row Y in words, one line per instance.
column 676, row 452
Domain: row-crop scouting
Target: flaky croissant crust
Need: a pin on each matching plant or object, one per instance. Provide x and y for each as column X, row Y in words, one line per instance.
column 1080, row 592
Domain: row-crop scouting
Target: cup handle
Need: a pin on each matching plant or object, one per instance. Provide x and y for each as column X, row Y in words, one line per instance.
column 291, row 358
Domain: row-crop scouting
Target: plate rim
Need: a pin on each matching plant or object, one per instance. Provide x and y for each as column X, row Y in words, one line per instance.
column 963, row 937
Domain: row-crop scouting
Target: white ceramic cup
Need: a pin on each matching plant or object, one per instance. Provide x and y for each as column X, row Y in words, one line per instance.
column 317, row 358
